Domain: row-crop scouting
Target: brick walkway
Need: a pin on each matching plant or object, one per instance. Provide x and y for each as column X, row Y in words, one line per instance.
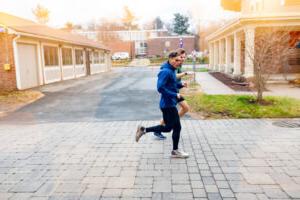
column 230, row 159
column 211, row 85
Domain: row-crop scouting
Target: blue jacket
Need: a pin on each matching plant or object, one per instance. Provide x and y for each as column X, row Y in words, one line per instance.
column 168, row 86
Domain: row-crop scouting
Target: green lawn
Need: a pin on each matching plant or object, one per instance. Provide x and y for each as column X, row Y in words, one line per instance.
column 242, row 106
column 196, row 70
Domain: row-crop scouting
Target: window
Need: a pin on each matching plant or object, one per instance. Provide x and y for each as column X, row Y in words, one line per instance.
column 90, row 56
column 79, row 57
column 167, row 44
column 96, row 58
column 294, row 57
column 102, row 57
column 67, row 56
column 51, row 56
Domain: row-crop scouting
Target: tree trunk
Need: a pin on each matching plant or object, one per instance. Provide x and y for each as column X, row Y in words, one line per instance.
column 259, row 94
column 260, row 84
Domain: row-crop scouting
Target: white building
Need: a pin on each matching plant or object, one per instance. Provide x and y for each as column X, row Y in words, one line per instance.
column 225, row 45
column 39, row 55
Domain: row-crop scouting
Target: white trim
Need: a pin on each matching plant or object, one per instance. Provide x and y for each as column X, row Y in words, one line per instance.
column 259, row 22
column 67, row 66
column 49, row 68
column 173, row 37
column 17, row 64
column 80, row 65
column 38, row 56
column 66, row 47
column 52, row 68
column 55, row 40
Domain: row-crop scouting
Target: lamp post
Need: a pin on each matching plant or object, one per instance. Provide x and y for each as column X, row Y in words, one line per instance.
column 194, row 64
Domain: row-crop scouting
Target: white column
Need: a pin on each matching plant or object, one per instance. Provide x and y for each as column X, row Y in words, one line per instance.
column 211, row 55
column 237, row 54
column 221, row 55
column 249, row 51
column 228, row 55
column 216, row 56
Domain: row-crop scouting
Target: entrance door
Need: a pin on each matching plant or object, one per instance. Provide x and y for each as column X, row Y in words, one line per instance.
column 28, row 66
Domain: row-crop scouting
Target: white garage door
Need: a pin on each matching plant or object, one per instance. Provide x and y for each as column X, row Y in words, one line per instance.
column 28, row 66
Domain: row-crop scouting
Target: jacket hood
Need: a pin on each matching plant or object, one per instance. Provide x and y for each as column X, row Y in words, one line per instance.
column 167, row 65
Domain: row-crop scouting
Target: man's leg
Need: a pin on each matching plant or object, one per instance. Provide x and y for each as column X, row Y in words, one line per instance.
column 167, row 117
column 184, row 108
column 176, row 129
column 176, row 137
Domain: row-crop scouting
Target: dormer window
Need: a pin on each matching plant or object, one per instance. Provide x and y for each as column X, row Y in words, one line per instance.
column 255, row 5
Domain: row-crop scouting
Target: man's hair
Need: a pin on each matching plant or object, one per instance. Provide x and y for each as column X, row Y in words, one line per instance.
column 180, row 51
column 173, row 54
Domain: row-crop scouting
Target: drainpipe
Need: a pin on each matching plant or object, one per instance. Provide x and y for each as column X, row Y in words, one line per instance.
column 16, row 61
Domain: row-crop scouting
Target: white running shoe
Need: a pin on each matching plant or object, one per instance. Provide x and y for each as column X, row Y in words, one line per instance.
column 179, row 154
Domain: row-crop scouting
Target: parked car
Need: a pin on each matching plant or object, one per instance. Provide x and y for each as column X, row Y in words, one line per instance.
column 198, row 54
column 120, row 56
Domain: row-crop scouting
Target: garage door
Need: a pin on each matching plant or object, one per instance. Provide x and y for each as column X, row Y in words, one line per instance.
column 28, row 66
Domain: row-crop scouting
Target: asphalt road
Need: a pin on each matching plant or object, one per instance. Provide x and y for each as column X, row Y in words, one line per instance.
column 124, row 94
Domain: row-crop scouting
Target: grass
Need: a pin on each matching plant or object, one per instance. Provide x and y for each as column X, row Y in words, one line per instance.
column 118, row 63
column 242, row 106
column 18, row 96
column 10, row 101
column 196, row 70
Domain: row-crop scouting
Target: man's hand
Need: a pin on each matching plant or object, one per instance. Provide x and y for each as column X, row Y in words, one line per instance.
column 185, row 84
column 189, row 73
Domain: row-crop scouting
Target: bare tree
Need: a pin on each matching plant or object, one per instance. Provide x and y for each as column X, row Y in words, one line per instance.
column 269, row 55
column 69, row 26
column 107, row 31
column 129, row 19
column 41, row 13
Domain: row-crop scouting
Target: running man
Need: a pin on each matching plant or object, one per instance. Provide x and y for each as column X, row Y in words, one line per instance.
column 168, row 86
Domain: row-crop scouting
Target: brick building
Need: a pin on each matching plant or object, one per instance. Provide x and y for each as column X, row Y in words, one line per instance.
column 32, row 54
column 141, row 43
column 160, row 46
column 7, row 78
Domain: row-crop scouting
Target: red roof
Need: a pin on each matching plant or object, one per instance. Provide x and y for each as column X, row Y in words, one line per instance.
column 38, row 30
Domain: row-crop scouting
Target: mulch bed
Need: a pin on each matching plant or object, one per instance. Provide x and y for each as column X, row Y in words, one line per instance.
column 230, row 82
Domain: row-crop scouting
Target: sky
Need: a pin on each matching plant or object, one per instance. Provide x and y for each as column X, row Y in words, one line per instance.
column 84, row 11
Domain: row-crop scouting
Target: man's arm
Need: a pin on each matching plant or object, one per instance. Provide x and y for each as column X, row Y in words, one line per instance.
column 163, row 77
column 179, row 85
column 180, row 75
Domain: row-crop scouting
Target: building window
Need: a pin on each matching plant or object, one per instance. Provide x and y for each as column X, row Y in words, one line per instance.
column 294, row 56
column 90, row 57
column 167, row 44
column 51, row 56
column 298, row 45
column 102, row 57
column 79, row 57
column 67, row 57
column 96, row 58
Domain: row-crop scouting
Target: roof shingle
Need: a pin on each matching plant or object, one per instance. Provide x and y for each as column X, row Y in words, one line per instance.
column 29, row 27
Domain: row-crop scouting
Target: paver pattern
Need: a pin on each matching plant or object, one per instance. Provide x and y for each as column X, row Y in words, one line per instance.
column 229, row 159
column 77, row 143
